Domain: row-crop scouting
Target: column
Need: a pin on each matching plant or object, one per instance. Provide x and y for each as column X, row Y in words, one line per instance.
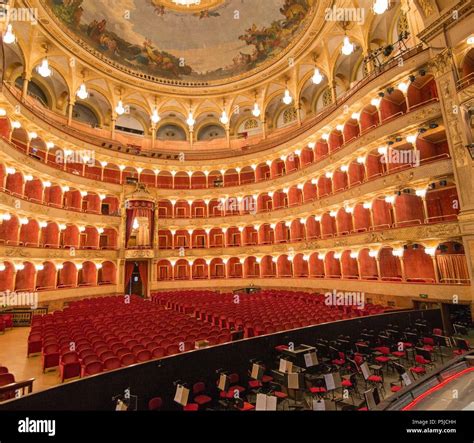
column 112, row 127
column 377, row 260
column 24, row 90
column 70, row 107
column 402, row 267
column 358, row 267
column 153, row 136
column 435, row 268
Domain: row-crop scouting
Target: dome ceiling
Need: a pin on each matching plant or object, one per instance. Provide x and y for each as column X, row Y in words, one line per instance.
column 214, row 40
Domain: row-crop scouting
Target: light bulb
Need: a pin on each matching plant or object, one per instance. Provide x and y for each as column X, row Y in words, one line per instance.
column 287, row 98
column 119, row 109
column 224, row 118
column 380, row 6
column 82, row 92
column 43, row 69
column 317, row 77
column 402, row 86
column 397, row 252
column 9, row 37
column 16, row 125
column 155, row 117
column 469, row 41
column 190, row 120
column 430, row 251
column 375, row 102
column 347, row 47
column 411, row 138
column 3, row 112
column 256, row 110
column 325, row 136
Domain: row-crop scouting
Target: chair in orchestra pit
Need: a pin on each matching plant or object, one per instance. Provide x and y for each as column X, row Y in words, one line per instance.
column 199, row 395
column 155, row 404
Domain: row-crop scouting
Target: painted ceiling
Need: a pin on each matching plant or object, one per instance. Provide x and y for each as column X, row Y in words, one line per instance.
column 214, row 40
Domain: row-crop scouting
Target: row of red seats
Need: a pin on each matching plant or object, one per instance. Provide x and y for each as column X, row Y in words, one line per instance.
column 6, row 322
column 93, row 335
column 6, row 378
column 260, row 313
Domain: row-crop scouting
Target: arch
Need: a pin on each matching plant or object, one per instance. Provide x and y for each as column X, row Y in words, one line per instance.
column 25, row 278
column 87, row 275
column 46, row 278
column 7, row 277
column 67, row 275
column 107, row 274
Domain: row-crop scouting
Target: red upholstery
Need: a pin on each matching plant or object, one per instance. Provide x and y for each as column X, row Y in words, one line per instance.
column 375, row 378
column 69, row 366
column 50, row 356
column 112, row 363
column 191, row 407
column 155, row 404
column 93, row 368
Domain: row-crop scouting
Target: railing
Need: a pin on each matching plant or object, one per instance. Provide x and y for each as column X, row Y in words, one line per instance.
column 19, row 388
column 273, row 140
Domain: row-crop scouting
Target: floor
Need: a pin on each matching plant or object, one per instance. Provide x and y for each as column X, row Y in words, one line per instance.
column 13, row 346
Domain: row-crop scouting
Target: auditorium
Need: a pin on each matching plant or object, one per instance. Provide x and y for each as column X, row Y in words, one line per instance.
column 236, row 206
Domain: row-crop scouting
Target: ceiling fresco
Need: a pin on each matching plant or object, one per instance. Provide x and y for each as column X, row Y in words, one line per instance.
column 214, row 40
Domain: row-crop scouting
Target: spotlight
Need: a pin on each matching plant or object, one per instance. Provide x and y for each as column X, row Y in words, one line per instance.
column 422, row 72
column 381, row 94
column 412, row 78
column 390, row 89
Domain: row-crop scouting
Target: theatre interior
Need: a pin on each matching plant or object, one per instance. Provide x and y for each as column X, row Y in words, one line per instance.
column 236, row 205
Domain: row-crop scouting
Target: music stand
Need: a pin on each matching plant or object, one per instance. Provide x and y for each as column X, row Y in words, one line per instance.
column 372, row 398
column 266, row 402
column 224, row 382
column 293, row 382
column 182, row 395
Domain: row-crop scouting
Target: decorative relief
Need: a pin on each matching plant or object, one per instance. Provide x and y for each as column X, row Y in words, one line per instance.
column 426, row 6
column 139, row 253
column 441, row 63
column 16, row 252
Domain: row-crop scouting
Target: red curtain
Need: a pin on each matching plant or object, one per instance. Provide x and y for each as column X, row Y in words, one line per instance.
column 128, row 272
column 130, row 218
column 143, row 270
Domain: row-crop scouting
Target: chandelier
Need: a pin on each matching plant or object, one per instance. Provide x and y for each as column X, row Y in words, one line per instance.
column 186, row 2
